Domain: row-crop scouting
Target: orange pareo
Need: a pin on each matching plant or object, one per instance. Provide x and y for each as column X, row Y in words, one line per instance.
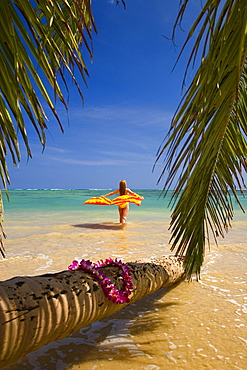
column 120, row 201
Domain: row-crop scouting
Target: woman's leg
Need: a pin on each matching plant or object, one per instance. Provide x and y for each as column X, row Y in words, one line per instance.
column 125, row 211
column 120, row 210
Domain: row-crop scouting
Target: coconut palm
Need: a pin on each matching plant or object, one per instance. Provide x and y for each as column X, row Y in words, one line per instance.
column 51, row 307
column 206, row 147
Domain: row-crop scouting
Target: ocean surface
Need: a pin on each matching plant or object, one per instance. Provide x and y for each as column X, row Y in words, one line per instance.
column 196, row 325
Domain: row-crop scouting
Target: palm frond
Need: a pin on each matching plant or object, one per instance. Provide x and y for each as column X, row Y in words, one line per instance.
column 52, row 36
column 206, row 147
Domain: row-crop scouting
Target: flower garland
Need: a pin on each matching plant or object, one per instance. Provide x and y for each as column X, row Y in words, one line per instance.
column 115, row 295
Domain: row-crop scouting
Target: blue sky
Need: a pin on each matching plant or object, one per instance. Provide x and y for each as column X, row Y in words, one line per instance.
column 131, row 97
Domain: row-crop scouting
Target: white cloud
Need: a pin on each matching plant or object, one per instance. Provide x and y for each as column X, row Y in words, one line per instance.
column 129, row 115
column 58, row 150
column 102, row 162
column 127, row 154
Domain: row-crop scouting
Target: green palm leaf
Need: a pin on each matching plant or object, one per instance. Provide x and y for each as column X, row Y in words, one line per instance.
column 206, row 147
column 49, row 34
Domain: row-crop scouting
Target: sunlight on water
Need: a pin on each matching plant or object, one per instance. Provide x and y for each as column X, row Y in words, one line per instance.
column 196, row 325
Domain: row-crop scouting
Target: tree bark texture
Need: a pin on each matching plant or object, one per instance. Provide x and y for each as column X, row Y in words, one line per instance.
column 37, row 310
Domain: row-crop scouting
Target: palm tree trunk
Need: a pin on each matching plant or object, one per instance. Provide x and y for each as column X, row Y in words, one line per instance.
column 37, row 310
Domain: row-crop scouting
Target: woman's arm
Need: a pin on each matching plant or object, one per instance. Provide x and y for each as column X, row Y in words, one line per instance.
column 113, row 192
column 130, row 192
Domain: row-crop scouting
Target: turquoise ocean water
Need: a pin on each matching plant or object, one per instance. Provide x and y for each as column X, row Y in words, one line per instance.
column 197, row 325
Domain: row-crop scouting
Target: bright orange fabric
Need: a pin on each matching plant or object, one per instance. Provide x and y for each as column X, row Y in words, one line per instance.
column 119, row 201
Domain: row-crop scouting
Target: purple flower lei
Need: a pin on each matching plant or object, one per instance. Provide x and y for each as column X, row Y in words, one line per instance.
column 115, row 295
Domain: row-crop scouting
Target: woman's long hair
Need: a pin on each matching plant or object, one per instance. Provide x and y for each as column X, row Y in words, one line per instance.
column 122, row 187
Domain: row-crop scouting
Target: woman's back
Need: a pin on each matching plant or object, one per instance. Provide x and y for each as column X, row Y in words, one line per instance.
column 122, row 187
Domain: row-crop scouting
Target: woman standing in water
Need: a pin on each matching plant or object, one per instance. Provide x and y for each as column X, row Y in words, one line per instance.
column 124, row 208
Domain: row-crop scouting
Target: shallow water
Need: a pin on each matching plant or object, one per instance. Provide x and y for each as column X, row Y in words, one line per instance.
column 195, row 325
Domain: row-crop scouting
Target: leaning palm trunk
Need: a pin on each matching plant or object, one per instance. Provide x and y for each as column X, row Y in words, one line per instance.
column 37, row 310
